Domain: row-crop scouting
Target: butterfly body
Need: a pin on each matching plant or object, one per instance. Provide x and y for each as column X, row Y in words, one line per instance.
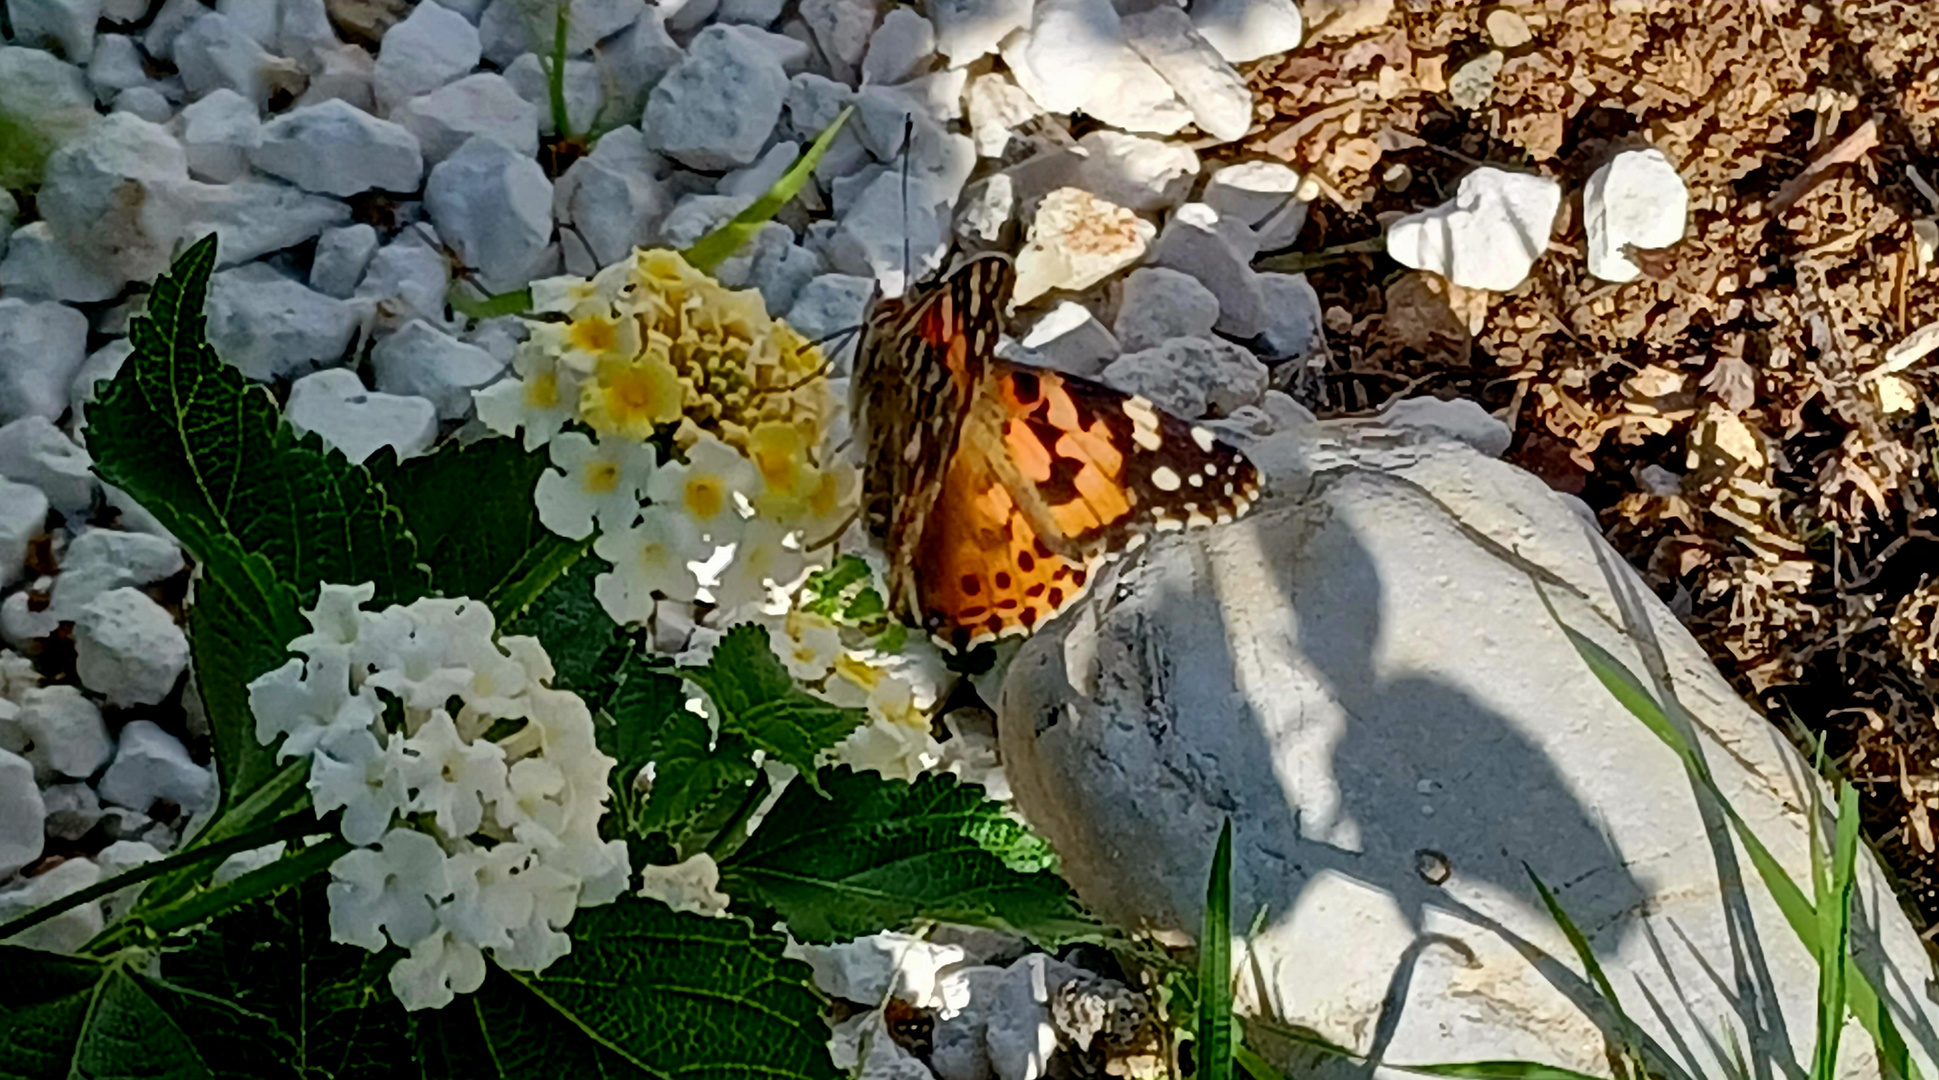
column 998, row 489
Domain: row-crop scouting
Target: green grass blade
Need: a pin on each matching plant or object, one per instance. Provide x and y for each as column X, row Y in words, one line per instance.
column 1626, row 1031
column 1498, row 1070
column 555, row 75
column 1834, row 921
column 1257, row 1066
column 1215, row 1043
column 711, row 250
column 515, row 302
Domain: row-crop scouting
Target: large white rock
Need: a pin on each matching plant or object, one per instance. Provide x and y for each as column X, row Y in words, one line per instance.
column 128, row 649
column 1637, row 199
column 1488, row 236
column 218, row 132
column 41, row 346
column 271, row 327
column 39, row 267
column 1263, row 194
column 1245, row 30
column 1135, row 172
column 1077, row 240
column 337, row 407
column 23, row 516
column 23, row 815
column 1220, row 102
column 67, row 25
column 1191, row 377
column 68, row 736
column 1074, row 57
column 336, row 148
column 1218, row 252
column 34, row 451
column 1362, row 677
column 151, row 764
column 483, row 104
column 967, row 29
column 422, row 361
column 431, row 47
column 716, row 108
column 1159, row 304
column 105, row 194
column 493, row 206
column 215, row 52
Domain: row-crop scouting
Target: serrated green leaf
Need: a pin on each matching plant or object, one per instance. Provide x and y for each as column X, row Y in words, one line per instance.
column 645, row 993
column 470, row 507
column 646, row 720
column 1214, row 1047
column 239, row 627
column 206, row 452
column 714, row 248
column 868, row 604
column 759, row 701
column 880, row 854
column 583, row 641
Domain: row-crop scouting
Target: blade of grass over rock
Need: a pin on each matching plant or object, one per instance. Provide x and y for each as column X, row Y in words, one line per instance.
column 711, row 250
column 514, row 302
column 1468, row 1070
column 1214, row 1046
column 1834, row 927
column 1626, row 1029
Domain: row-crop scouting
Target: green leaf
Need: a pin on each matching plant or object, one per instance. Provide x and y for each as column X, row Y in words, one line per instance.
column 206, row 451
column 645, row 992
column 880, row 854
column 1630, row 1045
column 470, row 507
column 514, row 302
column 1498, row 1070
column 646, row 720
column 1834, row 918
column 239, row 627
column 759, row 701
column 1214, row 1047
column 583, row 641
column 714, row 248
column 825, row 589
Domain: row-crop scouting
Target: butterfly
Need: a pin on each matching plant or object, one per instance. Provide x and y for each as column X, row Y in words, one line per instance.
column 998, row 489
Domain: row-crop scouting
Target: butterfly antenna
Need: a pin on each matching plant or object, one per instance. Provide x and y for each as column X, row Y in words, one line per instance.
column 908, row 140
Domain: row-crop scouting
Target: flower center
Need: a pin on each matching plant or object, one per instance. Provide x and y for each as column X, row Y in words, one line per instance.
column 601, row 477
column 706, row 497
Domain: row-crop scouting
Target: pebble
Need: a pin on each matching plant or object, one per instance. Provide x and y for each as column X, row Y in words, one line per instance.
column 46, row 92
column 1165, row 37
column 1068, row 338
column 336, row 406
column 1263, row 194
column 431, row 47
column 115, row 66
column 68, row 736
column 1460, row 419
column 583, row 96
column 1638, row 200
column 634, row 61
column 511, row 27
column 1159, row 304
column 899, row 48
column 686, row 16
column 252, row 218
column 1074, row 58
column 167, row 25
column 99, row 560
column 1487, row 237
column 213, row 52
column 303, row 30
column 1473, row 83
column 1018, row 1032
column 996, row 105
column 23, row 814
column 1508, row 30
column 968, row 29
column 484, row 104
column 342, row 256
column 1218, row 252
column 792, row 53
column 1077, row 240
column 1191, row 377
column 218, row 132
column 1245, row 30
column 106, row 196
column 34, row 451
column 67, row 25
column 493, row 207
column 23, row 516
column 828, row 305
column 336, row 148
column 983, row 213
column 37, row 267
column 128, row 649
column 841, row 28
column 118, row 858
column 41, row 346
column 271, row 327
column 145, row 102
column 1295, row 327
column 752, row 12
column 1135, row 172
column 422, row 361
column 101, row 365
column 65, row 932
column 813, row 101
column 716, row 108
column 151, row 764
column 407, row 279
column 881, row 965
column 341, row 74
column 614, row 204
column 73, row 810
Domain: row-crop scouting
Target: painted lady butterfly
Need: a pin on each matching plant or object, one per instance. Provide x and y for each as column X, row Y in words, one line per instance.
column 998, row 489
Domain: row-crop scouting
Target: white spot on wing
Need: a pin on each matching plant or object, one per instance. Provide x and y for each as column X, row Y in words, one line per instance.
column 1165, row 479
column 1196, row 480
column 1203, row 437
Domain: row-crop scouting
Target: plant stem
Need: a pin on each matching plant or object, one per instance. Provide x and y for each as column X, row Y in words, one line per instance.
column 731, row 837
column 556, row 78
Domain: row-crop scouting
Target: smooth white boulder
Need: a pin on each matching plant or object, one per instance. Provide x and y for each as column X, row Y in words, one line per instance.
column 716, row 108
column 1488, row 236
column 1245, row 30
column 151, row 764
column 493, row 206
column 1636, row 199
column 1362, row 677
column 271, row 327
column 41, row 346
column 338, row 149
column 337, row 406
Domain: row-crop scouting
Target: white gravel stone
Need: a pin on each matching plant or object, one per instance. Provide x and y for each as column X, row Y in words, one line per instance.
column 41, row 346
column 115, row 66
column 23, row 516
column 828, row 304
column 841, row 28
column 342, row 73
column 151, row 764
column 270, row 326
column 69, row 739
column 168, row 24
column 1263, row 194
column 995, row 105
column 634, row 61
column 336, row 406
column 128, row 649
column 123, row 856
column 100, row 560
column 879, row 966
column 1638, row 200
column 69, row 930
column 73, row 810
column 794, row 54
column 37, row 267
column 614, row 205
column 752, row 12
column 257, row 18
column 771, row 263
column 1294, row 325
column 899, row 48
column 1077, row 240
column 20, row 625
column 511, row 27
column 813, row 101
column 105, row 195
column 967, row 29
column 493, row 206
column 582, row 88
column 335, row 148
column 1220, row 102
column 67, row 25
column 1018, row 1033
column 102, row 364
column 1159, row 304
column 252, row 218
column 342, row 256
column 882, row 115
column 303, row 31
column 1488, row 236
column 986, row 208
column 1135, row 172
column 218, row 132
column 422, row 361
column 34, row 451
column 1460, row 419
column 23, row 814
column 213, row 52
column 430, row 47
column 145, row 102
column 407, row 279
column 1218, row 252
column 1068, row 338
column 716, row 108
column 483, row 104
column 1191, row 377
column 1074, row 58
column 1245, row 30
column 879, row 238
column 46, row 92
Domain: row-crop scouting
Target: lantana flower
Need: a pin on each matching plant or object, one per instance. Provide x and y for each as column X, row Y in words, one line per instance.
column 702, row 488
column 600, row 482
column 648, row 557
column 539, row 400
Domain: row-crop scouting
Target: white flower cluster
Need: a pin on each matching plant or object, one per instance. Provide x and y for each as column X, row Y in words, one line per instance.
column 466, row 843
